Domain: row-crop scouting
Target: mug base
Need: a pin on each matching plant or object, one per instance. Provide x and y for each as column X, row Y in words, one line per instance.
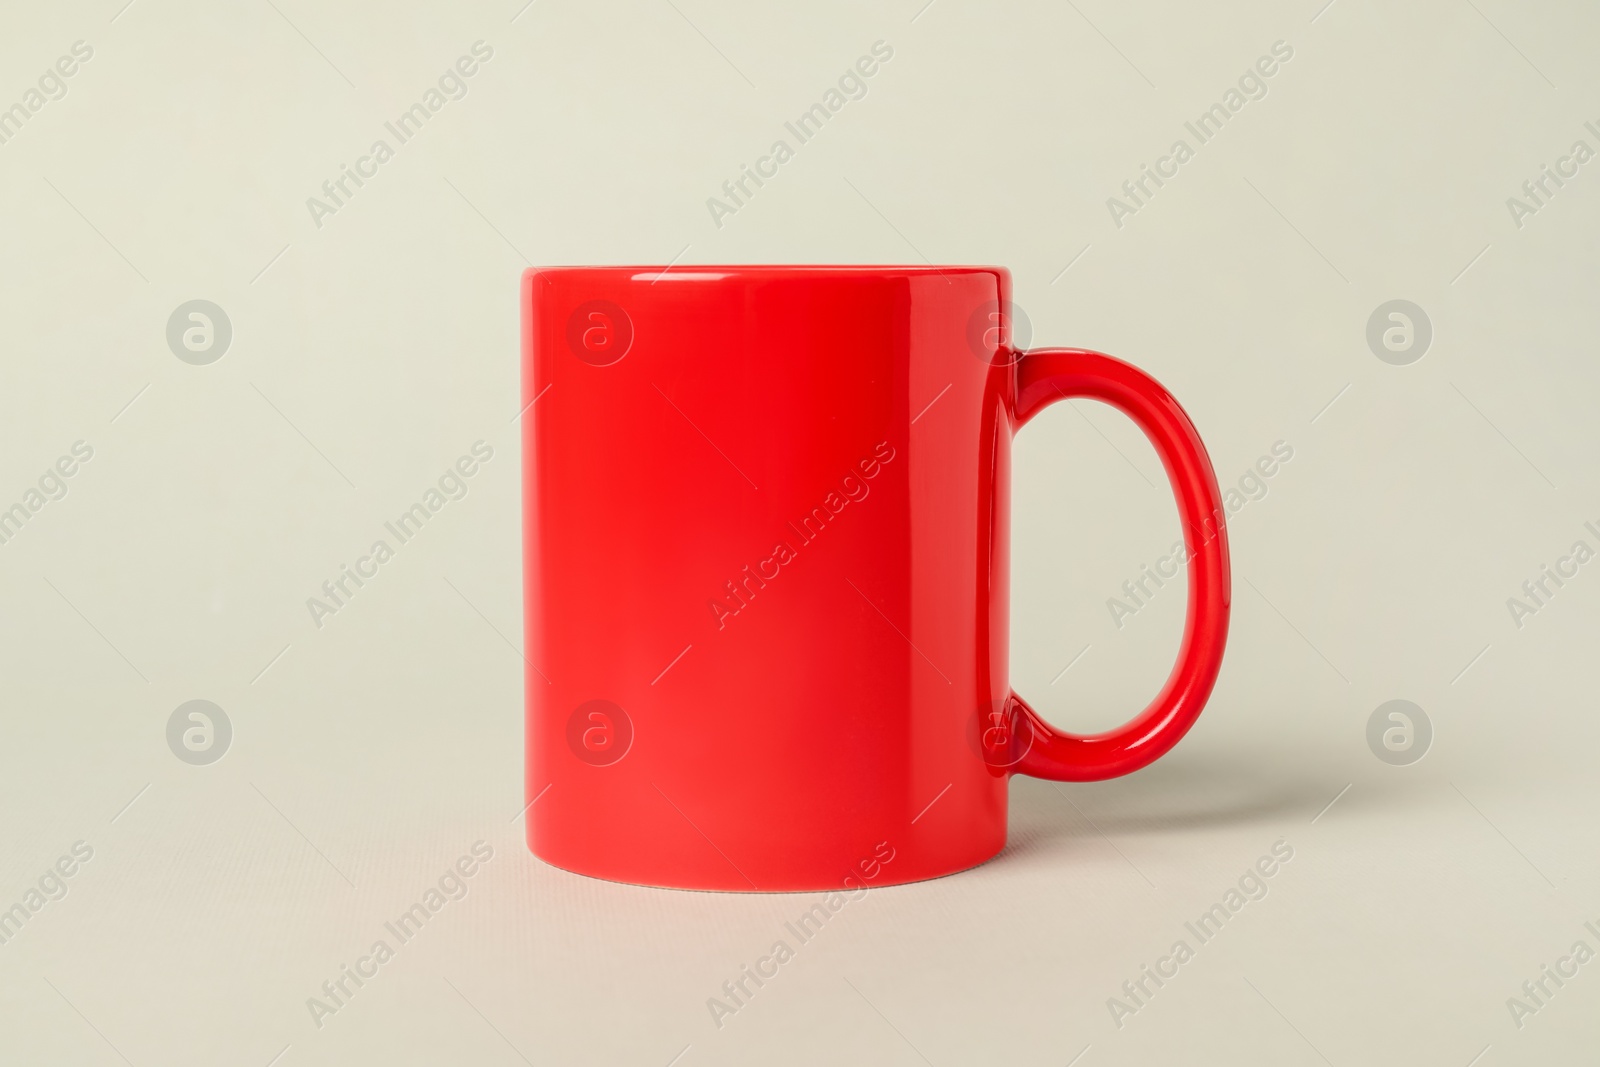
column 887, row 876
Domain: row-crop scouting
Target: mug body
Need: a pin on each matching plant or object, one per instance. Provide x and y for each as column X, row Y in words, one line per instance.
column 766, row 562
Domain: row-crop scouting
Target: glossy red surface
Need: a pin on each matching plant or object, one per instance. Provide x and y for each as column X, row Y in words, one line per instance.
column 767, row 560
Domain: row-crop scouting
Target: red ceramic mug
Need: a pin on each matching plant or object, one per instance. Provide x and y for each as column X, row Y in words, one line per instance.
column 766, row 529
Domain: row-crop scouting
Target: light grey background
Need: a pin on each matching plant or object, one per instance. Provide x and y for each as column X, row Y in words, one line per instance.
column 368, row 353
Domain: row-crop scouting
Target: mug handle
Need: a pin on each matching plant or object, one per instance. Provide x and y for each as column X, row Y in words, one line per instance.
column 1044, row 376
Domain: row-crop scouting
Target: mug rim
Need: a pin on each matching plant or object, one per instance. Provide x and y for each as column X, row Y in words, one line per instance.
column 698, row 271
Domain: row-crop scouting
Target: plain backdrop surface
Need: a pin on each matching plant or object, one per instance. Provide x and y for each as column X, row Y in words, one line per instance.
column 373, row 344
